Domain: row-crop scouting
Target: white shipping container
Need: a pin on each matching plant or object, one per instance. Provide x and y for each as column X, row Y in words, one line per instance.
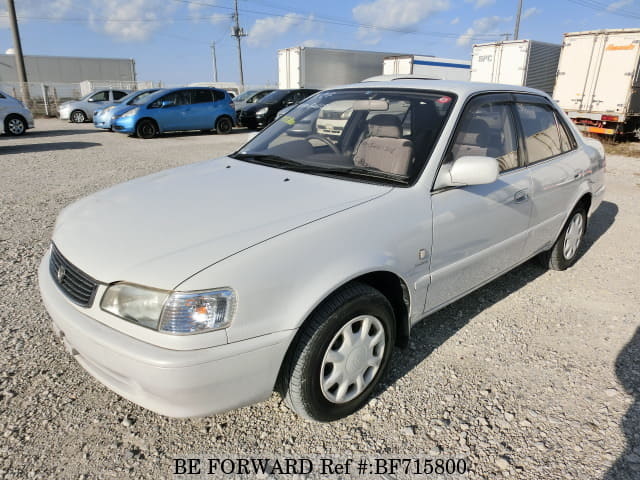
column 598, row 81
column 307, row 67
column 427, row 66
column 516, row 62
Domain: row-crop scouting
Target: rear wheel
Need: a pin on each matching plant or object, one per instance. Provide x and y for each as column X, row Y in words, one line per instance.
column 78, row 116
column 224, row 125
column 564, row 252
column 146, row 129
column 15, row 125
column 340, row 354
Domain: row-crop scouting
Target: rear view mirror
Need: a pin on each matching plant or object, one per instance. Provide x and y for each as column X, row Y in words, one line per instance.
column 470, row 170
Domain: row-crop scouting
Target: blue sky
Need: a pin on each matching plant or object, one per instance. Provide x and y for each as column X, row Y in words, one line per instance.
column 169, row 39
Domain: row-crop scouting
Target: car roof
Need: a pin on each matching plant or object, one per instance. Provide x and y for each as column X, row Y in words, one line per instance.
column 460, row 88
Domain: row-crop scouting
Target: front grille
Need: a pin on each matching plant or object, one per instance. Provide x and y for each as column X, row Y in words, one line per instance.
column 76, row 284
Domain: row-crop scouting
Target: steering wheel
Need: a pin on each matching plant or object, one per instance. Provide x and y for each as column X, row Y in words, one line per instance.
column 324, row 140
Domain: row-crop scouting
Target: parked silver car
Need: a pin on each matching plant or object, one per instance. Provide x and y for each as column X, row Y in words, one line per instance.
column 298, row 262
column 15, row 118
column 79, row 111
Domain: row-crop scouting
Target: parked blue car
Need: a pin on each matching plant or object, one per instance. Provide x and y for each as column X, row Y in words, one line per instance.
column 103, row 116
column 179, row 109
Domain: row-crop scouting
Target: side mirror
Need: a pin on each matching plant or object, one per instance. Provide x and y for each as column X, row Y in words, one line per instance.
column 289, row 102
column 168, row 103
column 470, row 170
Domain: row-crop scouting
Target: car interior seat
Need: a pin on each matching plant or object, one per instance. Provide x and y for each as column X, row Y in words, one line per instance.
column 385, row 149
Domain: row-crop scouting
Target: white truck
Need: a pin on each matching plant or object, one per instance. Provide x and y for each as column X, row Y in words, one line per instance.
column 310, row 67
column 427, row 66
column 598, row 81
column 527, row 63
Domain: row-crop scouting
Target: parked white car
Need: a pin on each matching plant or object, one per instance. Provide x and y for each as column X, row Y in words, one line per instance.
column 80, row 111
column 15, row 118
column 298, row 262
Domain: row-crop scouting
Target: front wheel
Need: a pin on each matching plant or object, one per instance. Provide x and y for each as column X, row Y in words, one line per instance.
column 15, row 125
column 224, row 125
column 340, row 354
column 146, row 129
column 78, row 116
column 564, row 252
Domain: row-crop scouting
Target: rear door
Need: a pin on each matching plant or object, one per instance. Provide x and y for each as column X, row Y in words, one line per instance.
column 201, row 114
column 480, row 231
column 555, row 166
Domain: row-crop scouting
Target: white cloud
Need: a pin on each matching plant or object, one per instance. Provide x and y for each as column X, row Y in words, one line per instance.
column 393, row 14
column 481, row 3
column 314, row 43
column 130, row 20
column 455, row 21
column 530, row 12
column 265, row 29
column 218, row 18
column 397, row 14
column 618, row 5
column 480, row 26
column 54, row 9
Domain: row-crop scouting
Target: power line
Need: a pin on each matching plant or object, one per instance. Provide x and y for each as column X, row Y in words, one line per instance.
column 601, row 7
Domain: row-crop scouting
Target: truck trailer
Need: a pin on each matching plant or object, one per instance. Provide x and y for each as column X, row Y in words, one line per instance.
column 310, row 67
column 427, row 66
column 598, row 81
column 526, row 63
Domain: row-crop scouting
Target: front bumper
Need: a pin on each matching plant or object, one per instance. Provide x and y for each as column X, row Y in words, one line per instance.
column 64, row 114
column 253, row 122
column 175, row 383
column 124, row 124
column 100, row 123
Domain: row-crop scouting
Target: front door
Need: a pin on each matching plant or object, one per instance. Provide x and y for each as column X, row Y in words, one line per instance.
column 479, row 231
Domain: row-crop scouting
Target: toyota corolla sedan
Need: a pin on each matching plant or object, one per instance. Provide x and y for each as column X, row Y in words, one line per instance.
column 103, row 116
column 298, row 262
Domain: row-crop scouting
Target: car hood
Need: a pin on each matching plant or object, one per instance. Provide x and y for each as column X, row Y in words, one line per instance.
column 254, row 107
column 160, row 229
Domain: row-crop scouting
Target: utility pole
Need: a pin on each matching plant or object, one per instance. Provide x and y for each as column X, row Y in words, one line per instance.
column 17, row 45
column 238, row 32
column 215, row 65
column 517, row 29
column 506, row 36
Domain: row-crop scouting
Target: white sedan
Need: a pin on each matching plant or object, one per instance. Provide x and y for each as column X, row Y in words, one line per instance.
column 299, row 261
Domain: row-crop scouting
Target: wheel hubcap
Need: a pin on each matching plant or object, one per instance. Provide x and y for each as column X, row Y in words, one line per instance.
column 78, row 117
column 16, row 126
column 353, row 358
column 573, row 236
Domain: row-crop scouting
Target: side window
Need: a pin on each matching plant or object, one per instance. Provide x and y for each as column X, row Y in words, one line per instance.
column 567, row 141
column 173, row 99
column 117, row 95
column 201, row 96
column 100, row 97
column 541, row 135
column 487, row 130
column 2, row 96
column 217, row 95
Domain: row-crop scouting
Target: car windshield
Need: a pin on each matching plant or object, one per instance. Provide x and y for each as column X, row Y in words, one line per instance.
column 274, row 97
column 245, row 95
column 141, row 97
column 378, row 135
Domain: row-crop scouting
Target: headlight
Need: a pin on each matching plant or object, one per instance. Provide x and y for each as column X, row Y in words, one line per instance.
column 108, row 109
column 262, row 111
column 180, row 313
column 130, row 113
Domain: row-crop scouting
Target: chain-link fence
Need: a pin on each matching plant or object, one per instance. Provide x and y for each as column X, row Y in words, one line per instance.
column 43, row 98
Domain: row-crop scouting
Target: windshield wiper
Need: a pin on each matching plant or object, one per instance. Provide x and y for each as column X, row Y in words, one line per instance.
column 354, row 171
column 369, row 172
column 274, row 161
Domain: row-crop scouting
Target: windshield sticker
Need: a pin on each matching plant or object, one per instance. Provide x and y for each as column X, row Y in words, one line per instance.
column 288, row 120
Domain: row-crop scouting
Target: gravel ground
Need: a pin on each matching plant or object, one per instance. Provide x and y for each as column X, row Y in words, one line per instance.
column 536, row 375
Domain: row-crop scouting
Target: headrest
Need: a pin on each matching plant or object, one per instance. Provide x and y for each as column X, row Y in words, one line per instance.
column 385, row 125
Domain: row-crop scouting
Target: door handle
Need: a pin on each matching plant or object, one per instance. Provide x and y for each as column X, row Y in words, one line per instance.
column 521, row 196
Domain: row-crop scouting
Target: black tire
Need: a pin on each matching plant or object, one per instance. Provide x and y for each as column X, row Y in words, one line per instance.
column 77, row 116
column 302, row 370
column 564, row 252
column 224, row 125
column 15, row 125
column 146, row 129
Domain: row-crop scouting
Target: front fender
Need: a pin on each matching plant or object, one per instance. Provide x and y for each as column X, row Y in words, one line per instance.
column 281, row 281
